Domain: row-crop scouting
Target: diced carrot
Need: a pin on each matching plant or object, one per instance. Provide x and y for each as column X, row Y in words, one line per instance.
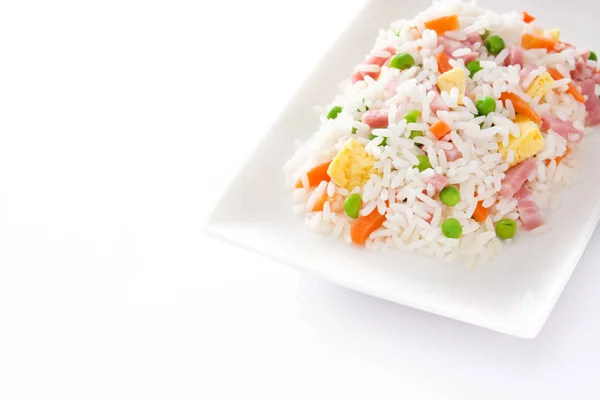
column 443, row 62
column 572, row 90
column 555, row 74
column 521, row 107
column 316, row 175
column 336, row 203
column 481, row 213
column 440, row 129
column 443, row 24
column 527, row 18
column 364, row 226
column 531, row 41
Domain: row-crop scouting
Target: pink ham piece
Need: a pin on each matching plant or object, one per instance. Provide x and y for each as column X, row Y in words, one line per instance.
column 453, row 154
column 515, row 56
column 592, row 104
column 437, row 181
column 451, row 45
column 473, row 38
column 528, row 211
column 372, row 60
column 516, row 177
column 376, row 118
column 437, row 104
column 528, row 69
column 563, row 128
column 358, row 76
column 582, row 71
column 472, row 56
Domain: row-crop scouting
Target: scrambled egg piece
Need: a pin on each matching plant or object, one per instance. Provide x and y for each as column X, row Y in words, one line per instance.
column 553, row 33
column 540, row 85
column 352, row 166
column 528, row 144
column 455, row 78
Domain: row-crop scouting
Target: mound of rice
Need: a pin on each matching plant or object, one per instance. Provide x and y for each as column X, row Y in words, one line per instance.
column 475, row 157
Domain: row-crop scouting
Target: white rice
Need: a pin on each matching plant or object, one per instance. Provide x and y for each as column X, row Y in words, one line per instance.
column 395, row 187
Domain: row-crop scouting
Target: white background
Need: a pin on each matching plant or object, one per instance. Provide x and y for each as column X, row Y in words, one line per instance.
column 121, row 124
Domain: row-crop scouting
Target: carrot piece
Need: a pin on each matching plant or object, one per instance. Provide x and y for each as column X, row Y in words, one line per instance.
column 481, row 213
column 521, row 106
column 555, row 74
column 443, row 24
column 336, row 203
column 364, row 226
column 527, row 18
column 443, row 62
column 440, row 129
column 531, row 41
column 316, row 175
column 572, row 90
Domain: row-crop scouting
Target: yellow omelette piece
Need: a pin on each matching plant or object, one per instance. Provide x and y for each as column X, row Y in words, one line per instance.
column 550, row 33
column 352, row 166
column 528, row 144
column 541, row 85
column 455, row 78
column 553, row 33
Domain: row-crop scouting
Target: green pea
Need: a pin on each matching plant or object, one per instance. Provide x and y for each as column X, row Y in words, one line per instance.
column 485, row 34
column 402, row 61
column 423, row 163
column 352, row 205
column 473, row 67
column 506, row 228
column 494, row 44
column 333, row 113
column 414, row 134
column 383, row 142
column 412, row 116
column 593, row 56
column 450, row 196
column 485, row 105
column 354, row 130
column 451, row 228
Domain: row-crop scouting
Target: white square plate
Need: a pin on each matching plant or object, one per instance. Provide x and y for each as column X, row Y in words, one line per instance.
column 513, row 294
